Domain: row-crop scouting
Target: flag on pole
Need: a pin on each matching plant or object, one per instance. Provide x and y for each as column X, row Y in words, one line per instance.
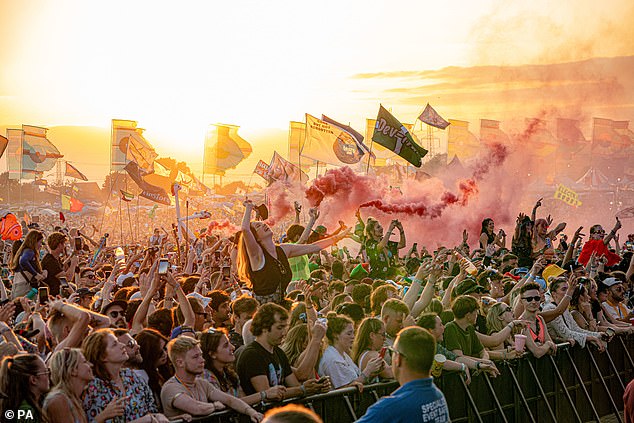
column 330, row 144
column 296, row 139
column 14, row 153
column 149, row 191
column 355, row 134
column 140, row 151
column 224, row 149
column 281, row 169
column 391, row 134
column 432, row 118
column 4, row 142
column 71, row 204
column 121, row 132
column 38, row 153
column 126, row 196
column 261, row 169
column 71, row 171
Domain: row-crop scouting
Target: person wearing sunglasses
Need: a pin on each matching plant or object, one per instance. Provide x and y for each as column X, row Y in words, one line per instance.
column 417, row 399
column 615, row 303
column 24, row 380
column 115, row 310
column 499, row 316
column 538, row 339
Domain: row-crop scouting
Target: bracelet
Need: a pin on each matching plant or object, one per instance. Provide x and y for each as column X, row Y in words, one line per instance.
column 511, row 325
column 420, row 282
column 568, row 295
column 463, row 368
column 478, row 365
column 262, row 396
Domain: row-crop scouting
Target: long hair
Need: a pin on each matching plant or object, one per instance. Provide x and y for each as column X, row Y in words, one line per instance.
column 295, row 342
column 94, row 349
column 209, row 342
column 14, row 382
column 243, row 265
column 485, row 224
column 362, row 340
column 30, row 243
column 149, row 341
column 63, row 363
column 494, row 323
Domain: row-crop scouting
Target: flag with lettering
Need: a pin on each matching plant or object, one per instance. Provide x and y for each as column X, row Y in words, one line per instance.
column 391, row 134
column 281, row 169
column 327, row 143
column 261, row 169
column 432, row 118
column 149, row 191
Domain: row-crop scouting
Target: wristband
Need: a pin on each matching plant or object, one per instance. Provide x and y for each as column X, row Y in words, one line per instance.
column 262, row 396
column 478, row 365
column 420, row 282
column 463, row 368
column 511, row 325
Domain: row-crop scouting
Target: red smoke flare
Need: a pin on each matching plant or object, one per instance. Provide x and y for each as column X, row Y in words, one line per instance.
column 221, row 225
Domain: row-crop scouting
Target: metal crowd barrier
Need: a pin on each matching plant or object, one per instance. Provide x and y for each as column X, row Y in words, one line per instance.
column 575, row 385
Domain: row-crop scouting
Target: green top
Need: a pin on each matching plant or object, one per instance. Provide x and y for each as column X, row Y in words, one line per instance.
column 30, row 413
column 299, row 267
column 466, row 341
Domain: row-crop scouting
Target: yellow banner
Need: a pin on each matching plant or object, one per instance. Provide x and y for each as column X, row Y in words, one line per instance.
column 567, row 195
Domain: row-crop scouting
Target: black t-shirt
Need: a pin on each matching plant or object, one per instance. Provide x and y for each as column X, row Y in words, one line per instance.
column 53, row 266
column 256, row 361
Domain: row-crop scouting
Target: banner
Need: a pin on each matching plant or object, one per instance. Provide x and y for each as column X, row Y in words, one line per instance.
column 542, row 142
column 432, row 118
column 569, row 136
column 490, row 132
column 38, row 153
column 461, row 142
column 281, row 169
column 140, row 151
column 71, row 171
column 296, row 138
column 391, row 134
column 261, row 169
column 330, row 144
column 356, row 135
column 122, row 130
column 14, row 153
column 3, row 145
column 149, row 191
column 224, row 149
column 71, row 204
column 622, row 128
column 567, row 195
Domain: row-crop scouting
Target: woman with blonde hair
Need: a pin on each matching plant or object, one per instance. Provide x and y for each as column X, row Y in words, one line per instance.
column 26, row 265
column 368, row 343
column 500, row 316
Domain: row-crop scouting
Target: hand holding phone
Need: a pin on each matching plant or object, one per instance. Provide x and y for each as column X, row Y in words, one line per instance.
column 163, row 266
column 382, row 352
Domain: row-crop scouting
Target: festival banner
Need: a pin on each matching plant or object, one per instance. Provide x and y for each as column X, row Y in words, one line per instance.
column 461, row 142
column 490, row 132
column 432, row 118
column 622, row 128
column 72, row 172
column 14, row 153
column 296, row 138
column 355, row 135
column 282, row 170
column 542, row 142
column 261, row 169
column 4, row 142
column 71, row 204
column 149, row 191
column 38, row 153
column 122, row 130
column 140, row 151
column 330, row 144
column 224, row 149
column 567, row 195
column 391, row 134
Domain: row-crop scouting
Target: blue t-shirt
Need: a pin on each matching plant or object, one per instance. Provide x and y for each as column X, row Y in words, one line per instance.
column 416, row 401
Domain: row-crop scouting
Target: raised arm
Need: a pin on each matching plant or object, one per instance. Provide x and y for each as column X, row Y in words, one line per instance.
column 295, row 250
column 256, row 255
column 313, row 214
column 610, row 236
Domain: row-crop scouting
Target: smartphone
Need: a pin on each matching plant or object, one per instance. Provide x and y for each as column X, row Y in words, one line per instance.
column 63, row 282
column 163, row 266
column 382, row 352
column 43, row 294
column 226, row 271
column 78, row 244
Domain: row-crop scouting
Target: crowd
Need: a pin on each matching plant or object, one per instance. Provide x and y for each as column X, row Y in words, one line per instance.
column 95, row 330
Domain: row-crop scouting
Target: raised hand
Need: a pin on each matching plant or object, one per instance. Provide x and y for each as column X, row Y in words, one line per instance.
column 538, row 204
column 313, row 213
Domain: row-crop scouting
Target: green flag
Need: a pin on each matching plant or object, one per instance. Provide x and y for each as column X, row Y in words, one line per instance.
column 152, row 212
column 391, row 134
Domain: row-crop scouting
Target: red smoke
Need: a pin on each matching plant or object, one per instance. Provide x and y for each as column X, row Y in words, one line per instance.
column 222, row 225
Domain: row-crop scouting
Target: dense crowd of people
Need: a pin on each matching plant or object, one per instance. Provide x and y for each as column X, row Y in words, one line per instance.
column 95, row 329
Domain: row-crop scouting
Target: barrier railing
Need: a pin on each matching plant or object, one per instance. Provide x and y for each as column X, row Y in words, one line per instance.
column 574, row 385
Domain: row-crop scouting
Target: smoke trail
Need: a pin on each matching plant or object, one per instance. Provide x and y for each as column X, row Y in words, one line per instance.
column 224, row 226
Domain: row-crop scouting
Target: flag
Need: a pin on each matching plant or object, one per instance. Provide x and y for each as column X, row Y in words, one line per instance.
column 38, row 153
column 281, row 169
column 261, row 169
column 605, row 138
column 391, row 134
column 224, row 149
column 622, row 128
column 330, row 144
column 491, row 133
column 4, row 142
column 27, row 218
column 126, row 196
column 358, row 138
column 72, row 172
column 567, row 195
column 541, row 141
column 432, row 118
column 14, row 153
column 122, row 130
column 71, row 204
column 296, row 138
column 139, row 150
column 149, row 191
column 62, row 217
column 460, row 141
column 152, row 212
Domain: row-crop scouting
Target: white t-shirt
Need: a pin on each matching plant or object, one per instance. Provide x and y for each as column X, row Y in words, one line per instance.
column 340, row 368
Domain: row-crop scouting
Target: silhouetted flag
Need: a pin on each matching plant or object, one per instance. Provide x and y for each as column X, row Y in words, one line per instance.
column 71, row 171
column 391, row 134
column 432, row 118
column 224, row 149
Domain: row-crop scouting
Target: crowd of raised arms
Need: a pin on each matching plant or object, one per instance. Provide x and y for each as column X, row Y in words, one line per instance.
column 176, row 328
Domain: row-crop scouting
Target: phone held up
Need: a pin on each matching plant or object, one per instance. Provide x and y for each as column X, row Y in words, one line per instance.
column 163, row 266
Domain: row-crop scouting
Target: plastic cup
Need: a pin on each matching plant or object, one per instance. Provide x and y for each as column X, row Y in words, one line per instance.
column 520, row 342
column 436, row 366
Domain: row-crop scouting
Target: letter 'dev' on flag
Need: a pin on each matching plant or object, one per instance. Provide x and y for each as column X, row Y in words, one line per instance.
column 391, row 134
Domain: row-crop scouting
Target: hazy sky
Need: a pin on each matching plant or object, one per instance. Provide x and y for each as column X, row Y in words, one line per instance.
column 176, row 67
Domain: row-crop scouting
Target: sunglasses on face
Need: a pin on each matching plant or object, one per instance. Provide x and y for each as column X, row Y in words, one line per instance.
column 114, row 314
column 531, row 299
column 90, row 276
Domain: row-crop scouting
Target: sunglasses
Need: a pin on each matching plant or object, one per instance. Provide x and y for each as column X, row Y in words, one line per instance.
column 47, row 372
column 506, row 310
column 394, row 351
column 531, row 299
column 115, row 314
column 90, row 276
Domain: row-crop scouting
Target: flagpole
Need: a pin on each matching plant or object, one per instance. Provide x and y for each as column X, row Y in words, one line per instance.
column 120, row 223
column 138, row 227
column 367, row 169
column 127, row 203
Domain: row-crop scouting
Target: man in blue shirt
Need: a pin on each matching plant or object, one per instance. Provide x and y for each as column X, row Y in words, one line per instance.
column 418, row 399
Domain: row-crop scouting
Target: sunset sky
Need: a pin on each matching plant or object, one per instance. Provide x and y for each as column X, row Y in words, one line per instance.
column 176, row 67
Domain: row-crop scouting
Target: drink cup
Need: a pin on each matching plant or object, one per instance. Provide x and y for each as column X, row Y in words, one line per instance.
column 520, row 342
column 436, row 366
